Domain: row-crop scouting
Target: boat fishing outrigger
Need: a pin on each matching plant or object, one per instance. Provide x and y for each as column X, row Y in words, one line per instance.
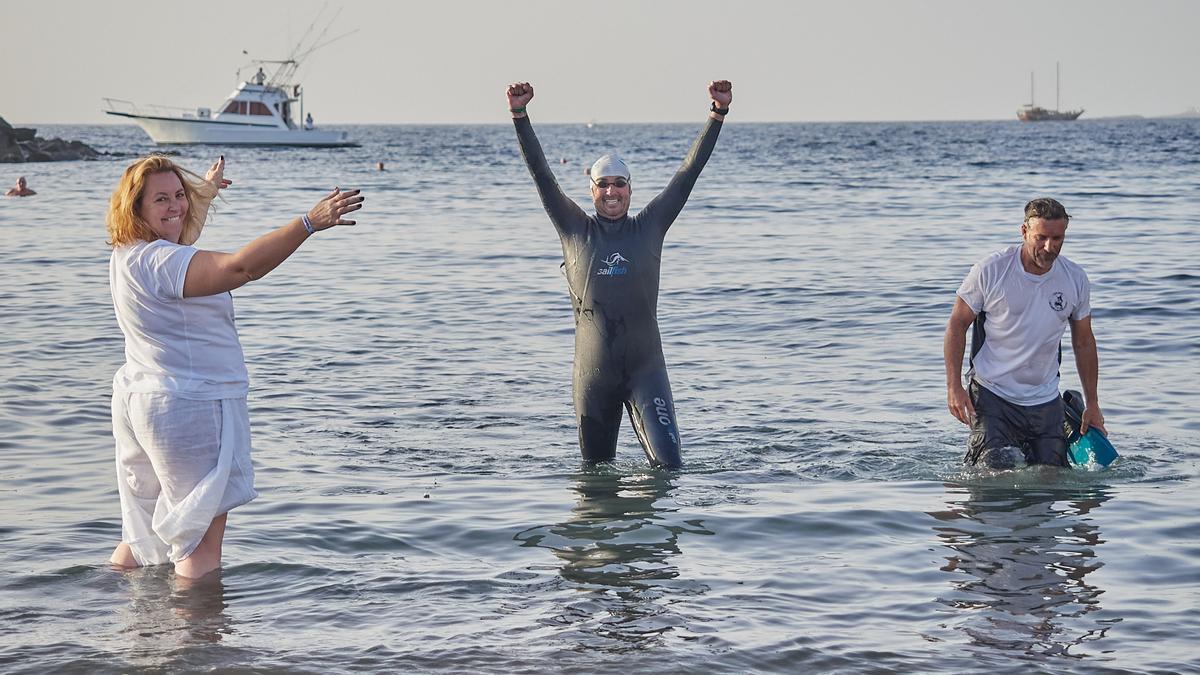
column 258, row 112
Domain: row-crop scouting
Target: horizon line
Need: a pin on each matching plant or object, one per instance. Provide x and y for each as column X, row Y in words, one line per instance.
column 1129, row 116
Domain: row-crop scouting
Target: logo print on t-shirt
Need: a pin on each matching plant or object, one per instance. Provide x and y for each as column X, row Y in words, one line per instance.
column 1057, row 303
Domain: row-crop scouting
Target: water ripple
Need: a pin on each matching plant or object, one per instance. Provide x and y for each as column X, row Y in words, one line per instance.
column 423, row 506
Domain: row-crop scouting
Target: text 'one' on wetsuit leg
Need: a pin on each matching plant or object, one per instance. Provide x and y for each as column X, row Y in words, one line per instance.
column 652, row 410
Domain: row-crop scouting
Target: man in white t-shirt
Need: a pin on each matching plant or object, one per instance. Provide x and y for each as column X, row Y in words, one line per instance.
column 1021, row 301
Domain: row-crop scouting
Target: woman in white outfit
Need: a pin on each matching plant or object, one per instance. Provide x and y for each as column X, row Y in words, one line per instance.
column 179, row 403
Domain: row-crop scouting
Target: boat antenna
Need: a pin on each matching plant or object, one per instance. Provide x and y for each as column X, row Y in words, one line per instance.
column 312, row 26
column 1057, row 85
column 309, row 44
column 286, row 69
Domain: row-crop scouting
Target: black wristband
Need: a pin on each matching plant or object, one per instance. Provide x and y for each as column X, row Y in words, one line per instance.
column 719, row 111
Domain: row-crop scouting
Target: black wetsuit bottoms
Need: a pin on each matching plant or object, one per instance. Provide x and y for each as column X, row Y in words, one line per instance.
column 646, row 394
column 1037, row 431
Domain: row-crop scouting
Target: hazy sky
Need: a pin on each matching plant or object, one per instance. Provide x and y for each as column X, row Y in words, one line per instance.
column 610, row 60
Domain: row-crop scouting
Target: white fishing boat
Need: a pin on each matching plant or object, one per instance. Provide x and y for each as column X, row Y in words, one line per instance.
column 253, row 115
column 258, row 112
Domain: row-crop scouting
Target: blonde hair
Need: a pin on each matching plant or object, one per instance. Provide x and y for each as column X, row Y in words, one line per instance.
column 126, row 225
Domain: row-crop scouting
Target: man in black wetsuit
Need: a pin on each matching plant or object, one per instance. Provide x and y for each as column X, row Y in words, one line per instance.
column 612, row 262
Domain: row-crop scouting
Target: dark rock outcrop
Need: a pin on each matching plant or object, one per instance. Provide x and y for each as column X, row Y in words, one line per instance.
column 18, row 144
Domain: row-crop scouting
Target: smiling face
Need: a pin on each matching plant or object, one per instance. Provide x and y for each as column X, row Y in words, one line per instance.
column 611, row 199
column 1043, row 241
column 164, row 205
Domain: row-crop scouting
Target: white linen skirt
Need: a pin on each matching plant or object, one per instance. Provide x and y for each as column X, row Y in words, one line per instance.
column 180, row 463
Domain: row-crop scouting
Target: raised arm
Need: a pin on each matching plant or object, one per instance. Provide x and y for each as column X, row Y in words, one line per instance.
column 563, row 211
column 214, row 181
column 953, row 349
column 211, row 272
column 666, row 206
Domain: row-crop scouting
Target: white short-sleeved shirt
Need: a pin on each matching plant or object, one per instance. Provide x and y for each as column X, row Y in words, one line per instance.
column 187, row 347
column 1027, row 315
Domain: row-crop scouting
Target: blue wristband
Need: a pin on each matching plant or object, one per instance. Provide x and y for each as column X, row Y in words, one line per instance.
column 307, row 224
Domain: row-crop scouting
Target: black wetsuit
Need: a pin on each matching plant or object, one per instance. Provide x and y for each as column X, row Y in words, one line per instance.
column 613, row 273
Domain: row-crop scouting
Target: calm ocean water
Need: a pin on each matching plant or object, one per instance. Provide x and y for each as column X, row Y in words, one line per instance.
column 423, row 505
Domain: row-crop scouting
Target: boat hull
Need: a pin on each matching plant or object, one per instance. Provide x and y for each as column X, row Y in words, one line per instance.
column 1036, row 114
column 195, row 131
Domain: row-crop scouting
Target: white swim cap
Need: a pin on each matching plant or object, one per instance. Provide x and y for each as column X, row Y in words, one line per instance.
column 609, row 165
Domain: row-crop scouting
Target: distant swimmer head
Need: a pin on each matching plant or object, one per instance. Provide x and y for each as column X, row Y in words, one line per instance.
column 611, row 186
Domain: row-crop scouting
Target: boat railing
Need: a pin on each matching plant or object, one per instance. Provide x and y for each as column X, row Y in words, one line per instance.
column 118, row 105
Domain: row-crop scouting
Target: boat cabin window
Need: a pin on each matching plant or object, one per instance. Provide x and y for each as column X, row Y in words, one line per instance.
column 235, row 108
column 259, row 108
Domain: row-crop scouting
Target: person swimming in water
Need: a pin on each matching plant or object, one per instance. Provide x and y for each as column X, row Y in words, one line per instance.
column 21, row 189
column 612, row 262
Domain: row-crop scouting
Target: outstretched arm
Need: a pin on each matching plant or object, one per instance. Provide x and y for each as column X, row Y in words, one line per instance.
column 666, row 206
column 212, row 272
column 214, row 181
column 563, row 211
column 953, row 348
column 1087, row 362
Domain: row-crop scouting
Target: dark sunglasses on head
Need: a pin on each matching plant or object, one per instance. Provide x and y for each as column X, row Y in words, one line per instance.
column 615, row 182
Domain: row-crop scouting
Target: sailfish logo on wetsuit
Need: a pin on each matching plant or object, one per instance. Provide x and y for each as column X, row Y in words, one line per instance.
column 615, row 268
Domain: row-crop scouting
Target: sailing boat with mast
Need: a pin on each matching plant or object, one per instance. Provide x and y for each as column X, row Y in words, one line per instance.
column 1031, row 112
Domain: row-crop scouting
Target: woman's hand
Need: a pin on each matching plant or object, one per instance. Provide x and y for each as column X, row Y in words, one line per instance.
column 216, row 175
column 330, row 211
column 214, row 182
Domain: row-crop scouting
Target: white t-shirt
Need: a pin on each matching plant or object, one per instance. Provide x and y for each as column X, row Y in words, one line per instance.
column 184, row 346
column 1026, row 318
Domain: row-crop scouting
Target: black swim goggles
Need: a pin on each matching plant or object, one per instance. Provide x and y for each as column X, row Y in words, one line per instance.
column 618, row 182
